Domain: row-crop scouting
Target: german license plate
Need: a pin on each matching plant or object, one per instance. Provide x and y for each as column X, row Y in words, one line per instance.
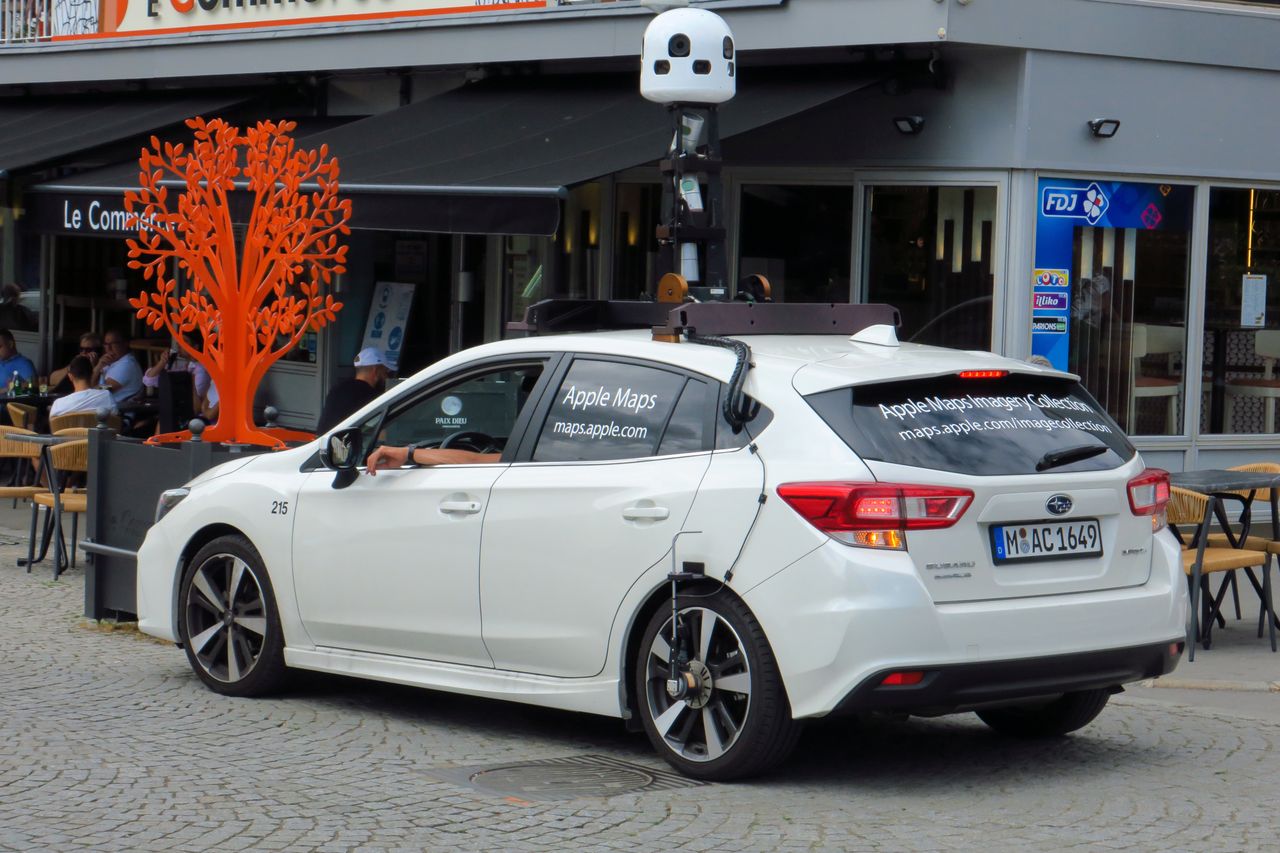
column 1046, row 540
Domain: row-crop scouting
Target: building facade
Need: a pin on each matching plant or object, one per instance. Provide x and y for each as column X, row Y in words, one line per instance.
column 1087, row 182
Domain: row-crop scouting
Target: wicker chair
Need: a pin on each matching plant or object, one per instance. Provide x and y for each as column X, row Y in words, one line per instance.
column 1254, row 543
column 88, row 420
column 24, row 456
column 67, row 458
column 22, row 415
column 1200, row 559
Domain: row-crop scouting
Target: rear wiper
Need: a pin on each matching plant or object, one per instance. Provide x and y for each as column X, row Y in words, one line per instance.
column 1066, row 456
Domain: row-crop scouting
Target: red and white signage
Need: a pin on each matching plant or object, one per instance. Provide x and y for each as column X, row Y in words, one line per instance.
column 161, row 17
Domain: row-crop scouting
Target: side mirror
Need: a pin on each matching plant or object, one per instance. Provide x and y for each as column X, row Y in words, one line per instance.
column 341, row 453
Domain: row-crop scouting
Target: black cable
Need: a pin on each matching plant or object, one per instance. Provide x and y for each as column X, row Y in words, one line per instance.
column 739, row 409
column 764, row 479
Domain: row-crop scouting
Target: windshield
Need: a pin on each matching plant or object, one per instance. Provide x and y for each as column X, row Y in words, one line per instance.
column 1010, row 425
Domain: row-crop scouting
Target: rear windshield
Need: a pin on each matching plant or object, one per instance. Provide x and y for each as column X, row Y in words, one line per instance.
column 1008, row 425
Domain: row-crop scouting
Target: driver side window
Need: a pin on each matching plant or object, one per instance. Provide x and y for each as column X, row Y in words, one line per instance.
column 487, row 402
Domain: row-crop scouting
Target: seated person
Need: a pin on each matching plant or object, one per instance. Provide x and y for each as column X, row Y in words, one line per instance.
column 83, row 398
column 208, row 409
column 199, row 376
column 90, row 348
column 13, row 363
column 385, row 457
column 13, row 314
column 117, row 370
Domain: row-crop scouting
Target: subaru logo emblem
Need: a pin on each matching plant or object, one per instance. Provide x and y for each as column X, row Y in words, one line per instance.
column 1059, row 505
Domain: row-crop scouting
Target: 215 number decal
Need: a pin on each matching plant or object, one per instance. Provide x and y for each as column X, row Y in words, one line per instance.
column 279, row 507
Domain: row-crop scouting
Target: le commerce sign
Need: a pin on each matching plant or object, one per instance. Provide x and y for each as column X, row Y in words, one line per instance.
column 84, row 215
column 112, row 18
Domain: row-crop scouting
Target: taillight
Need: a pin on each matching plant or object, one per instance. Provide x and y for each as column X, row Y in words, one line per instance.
column 875, row 515
column 1149, row 495
column 983, row 374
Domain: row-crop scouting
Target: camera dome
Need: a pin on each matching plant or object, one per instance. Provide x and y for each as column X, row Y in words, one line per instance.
column 688, row 58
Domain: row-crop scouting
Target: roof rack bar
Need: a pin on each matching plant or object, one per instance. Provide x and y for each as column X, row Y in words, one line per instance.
column 779, row 318
column 553, row 316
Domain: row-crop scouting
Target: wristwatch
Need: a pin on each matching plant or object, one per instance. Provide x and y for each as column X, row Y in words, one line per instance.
column 408, row 460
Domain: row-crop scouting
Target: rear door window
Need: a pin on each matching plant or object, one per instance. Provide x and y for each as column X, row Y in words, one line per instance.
column 612, row 410
column 1009, row 425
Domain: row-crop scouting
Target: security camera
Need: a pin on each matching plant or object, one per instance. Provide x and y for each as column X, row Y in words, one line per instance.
column 688, row 58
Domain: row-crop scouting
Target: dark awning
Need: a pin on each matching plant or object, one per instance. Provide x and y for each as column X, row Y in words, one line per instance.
column 495, row 157
column 41, row 130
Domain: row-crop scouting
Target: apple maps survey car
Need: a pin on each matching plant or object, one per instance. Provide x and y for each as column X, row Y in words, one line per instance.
column 848, row 524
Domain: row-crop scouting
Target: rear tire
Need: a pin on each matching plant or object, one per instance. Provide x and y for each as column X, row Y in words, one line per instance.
column 228, row 622
column 738, row 723
column 1063, row 715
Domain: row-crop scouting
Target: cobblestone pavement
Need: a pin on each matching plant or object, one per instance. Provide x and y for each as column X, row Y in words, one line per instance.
column 109, row 742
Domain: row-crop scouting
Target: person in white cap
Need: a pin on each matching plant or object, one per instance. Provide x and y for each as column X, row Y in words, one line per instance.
column 348, row 395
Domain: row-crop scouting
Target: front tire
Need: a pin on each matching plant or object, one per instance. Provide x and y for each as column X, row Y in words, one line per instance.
column 229, row 625
column 1063, row 715
column 737, row 721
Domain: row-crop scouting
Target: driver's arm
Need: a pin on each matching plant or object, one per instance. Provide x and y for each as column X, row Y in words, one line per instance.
column 386, row 457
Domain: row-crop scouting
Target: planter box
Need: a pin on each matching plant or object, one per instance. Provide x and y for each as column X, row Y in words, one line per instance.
column 126, row 478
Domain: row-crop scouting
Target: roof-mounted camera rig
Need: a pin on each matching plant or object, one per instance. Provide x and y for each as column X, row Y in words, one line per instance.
column 688, row 62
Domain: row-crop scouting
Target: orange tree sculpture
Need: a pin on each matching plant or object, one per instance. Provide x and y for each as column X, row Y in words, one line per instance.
column 249, row 300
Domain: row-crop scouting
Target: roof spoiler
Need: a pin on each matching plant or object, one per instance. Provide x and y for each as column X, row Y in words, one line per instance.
column 669, row 322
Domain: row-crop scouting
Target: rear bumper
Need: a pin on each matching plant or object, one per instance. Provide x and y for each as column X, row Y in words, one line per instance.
column 841, row 618
column 957, row 687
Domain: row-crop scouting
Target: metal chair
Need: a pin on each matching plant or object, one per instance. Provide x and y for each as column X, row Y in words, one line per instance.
column 1200, row 560
column 68, row 458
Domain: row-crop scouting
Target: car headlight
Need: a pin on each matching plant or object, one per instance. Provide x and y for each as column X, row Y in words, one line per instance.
column 168, row 500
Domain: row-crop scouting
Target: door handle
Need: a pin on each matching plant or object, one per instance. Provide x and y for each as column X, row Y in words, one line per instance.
column 461, row 507
column 646, row 513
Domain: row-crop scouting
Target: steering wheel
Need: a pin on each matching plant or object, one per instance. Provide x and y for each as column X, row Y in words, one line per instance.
column 471, row 440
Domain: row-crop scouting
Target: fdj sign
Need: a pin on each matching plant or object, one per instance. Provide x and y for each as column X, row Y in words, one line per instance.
column 1088, row 204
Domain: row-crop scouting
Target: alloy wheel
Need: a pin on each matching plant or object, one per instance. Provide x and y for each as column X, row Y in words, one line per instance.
column 707, row 723
column 226, row 617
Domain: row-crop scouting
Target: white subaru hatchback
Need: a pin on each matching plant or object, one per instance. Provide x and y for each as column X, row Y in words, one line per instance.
column 713, row 538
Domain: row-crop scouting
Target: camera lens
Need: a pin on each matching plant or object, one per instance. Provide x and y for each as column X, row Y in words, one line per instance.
column 678, row 45
column 728, row 48
column 701, row 66
column 661, row 66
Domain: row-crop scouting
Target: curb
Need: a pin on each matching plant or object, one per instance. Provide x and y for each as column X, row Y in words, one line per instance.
column 1194, row 684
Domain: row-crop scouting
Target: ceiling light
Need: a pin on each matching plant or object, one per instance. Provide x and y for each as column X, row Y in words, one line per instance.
column 909, row 125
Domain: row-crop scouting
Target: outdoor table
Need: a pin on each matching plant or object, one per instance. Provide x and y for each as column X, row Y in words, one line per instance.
column 1219, row 484
column 52, row 525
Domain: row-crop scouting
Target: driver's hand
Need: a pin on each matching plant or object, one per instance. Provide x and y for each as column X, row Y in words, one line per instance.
column 385, row 457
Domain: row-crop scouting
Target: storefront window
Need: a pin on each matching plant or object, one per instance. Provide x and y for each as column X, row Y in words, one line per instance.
column 800, row 238
column 579, row 243
column 1242, row 311
column 1109, row 294
column 635, row 253
column 525, row 277
column 928, row 252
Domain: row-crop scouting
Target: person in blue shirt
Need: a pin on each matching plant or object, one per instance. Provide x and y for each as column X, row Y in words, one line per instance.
column 11, row 362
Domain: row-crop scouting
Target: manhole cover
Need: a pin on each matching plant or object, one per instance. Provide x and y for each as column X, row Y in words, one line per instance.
column 567, row 778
